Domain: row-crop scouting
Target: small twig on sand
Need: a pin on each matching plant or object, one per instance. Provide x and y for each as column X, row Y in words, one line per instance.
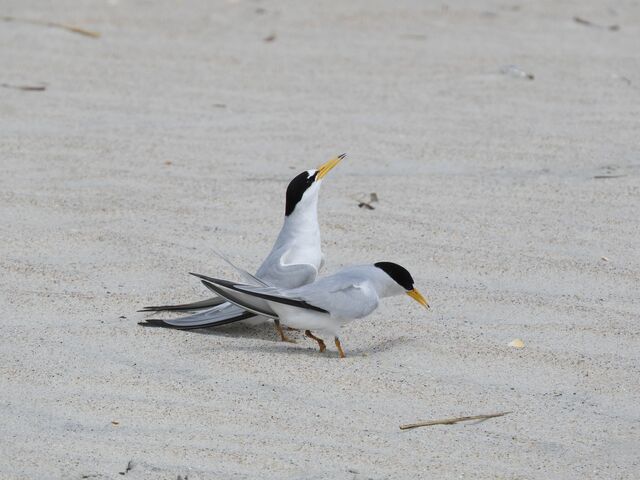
column 587, row 23
column 451, row 421
column 600, row 177
column 25, row 88
column 70, row 28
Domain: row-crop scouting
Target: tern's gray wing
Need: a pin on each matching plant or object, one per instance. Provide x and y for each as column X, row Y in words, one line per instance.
column 275, row 271
column 288, row 276
column 219, row 315
column 343, row 296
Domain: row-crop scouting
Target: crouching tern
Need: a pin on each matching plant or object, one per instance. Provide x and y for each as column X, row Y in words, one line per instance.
column 326, row 305
column 294, row 260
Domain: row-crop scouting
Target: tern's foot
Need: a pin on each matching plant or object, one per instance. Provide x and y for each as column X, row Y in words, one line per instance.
column 321, row 344
column 339, row 347
column 283, row 337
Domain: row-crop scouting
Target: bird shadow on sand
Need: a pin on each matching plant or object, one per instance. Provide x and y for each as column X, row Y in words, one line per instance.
column 308, row 347
column 302, row 346
column 263, row 331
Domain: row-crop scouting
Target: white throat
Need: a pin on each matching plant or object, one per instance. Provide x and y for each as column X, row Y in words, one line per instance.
column 300, row 234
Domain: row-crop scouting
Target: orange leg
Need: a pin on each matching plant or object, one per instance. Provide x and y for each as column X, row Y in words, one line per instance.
column 339, row 347
column 321, row 344
column 283, row 337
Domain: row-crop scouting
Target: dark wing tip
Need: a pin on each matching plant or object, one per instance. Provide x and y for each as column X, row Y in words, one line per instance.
column 199, row 305
column 156, row 322
column 153, row 322
column 342, row 155
column 199, row 275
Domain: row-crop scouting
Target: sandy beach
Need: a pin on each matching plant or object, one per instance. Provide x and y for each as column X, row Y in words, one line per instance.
column 514, row 201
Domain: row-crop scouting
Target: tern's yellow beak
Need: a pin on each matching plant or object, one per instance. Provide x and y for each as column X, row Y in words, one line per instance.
column 417, row 296
column 326, row 167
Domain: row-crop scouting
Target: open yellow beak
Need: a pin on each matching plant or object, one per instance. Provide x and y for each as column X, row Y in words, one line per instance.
column 326, row 167
column 417, row 296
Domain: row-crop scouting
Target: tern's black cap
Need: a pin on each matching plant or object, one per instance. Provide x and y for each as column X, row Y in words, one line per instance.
column 397, row 273
column 296, row 189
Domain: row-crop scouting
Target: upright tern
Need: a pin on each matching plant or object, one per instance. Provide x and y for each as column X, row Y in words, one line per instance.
column 325, row 305
column 294, row 260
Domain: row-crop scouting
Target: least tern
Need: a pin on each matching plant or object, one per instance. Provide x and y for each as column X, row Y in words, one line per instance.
column 325, row 305
column 294, row 260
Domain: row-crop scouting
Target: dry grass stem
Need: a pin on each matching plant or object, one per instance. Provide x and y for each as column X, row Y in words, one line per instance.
column 451, row 421
column 70, row 28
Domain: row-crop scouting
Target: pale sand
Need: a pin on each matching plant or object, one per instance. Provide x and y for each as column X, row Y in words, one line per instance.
column 487, row 191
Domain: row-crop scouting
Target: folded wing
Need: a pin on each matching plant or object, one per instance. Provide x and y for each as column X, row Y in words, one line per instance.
column 344, row 295
column 275, row 270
